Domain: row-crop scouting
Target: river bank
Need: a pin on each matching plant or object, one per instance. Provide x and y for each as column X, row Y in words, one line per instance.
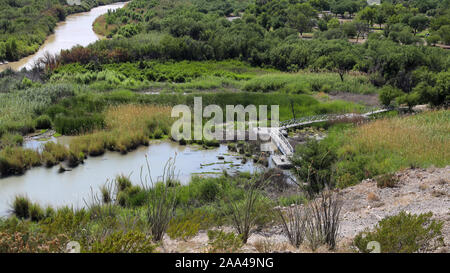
column 76, row 29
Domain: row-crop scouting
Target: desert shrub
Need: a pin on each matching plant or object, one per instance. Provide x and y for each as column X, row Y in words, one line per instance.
column 20, row 242
column 323, row 220
column 293, row 220
column 223, row 242
column 43, row 122
column 161, row 202
column 245, row 213
column 403, row 233
column 387, row 180
column 188, row 225
column 124, row 242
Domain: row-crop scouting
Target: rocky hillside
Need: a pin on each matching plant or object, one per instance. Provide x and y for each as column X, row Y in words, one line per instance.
column 416, row 191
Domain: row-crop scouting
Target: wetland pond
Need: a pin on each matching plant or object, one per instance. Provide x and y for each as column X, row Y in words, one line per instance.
column 49, row 187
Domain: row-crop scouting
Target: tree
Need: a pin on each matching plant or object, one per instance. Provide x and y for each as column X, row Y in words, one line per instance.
column 301, row 18
column 411, row 99
column 436, row 95
column 433, row 39
column 333, row 23
column 380, row 18
column 444, row 32
column 418, row 23
column 11, row 50
column 350, row 29
column 362, row 28
column 368, row 14
column 343, row 61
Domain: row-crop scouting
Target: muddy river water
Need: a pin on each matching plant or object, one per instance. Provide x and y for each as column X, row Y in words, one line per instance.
column 49, row 187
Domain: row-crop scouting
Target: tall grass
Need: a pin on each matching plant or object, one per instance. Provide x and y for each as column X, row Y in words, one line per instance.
column 387, row 145
column 126, row 128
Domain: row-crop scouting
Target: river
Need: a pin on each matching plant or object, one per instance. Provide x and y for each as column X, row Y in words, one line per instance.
column 75, row 30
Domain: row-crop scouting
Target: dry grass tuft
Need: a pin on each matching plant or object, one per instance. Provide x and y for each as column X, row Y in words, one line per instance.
column 372, row 197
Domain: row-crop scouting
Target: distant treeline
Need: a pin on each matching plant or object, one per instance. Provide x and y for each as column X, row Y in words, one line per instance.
column 185, row 30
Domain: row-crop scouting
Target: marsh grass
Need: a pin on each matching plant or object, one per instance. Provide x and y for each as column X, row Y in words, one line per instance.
column 21, row 206
column 127, row 127
column 390, row 144
column 15, row 160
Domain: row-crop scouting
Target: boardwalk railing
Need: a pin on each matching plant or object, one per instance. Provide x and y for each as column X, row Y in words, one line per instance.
column 283, row 143
column 292, row 123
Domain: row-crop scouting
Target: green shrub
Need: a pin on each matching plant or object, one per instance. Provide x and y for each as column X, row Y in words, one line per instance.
column 158, row 133
column 286, row 201
column 9, row 139
column 137, row 197
column 124, row 242
column 386, row 181
column 67, row 125
column 315, row 161
column 388, row 94
column 403, row 233
column 223, row 242
column 43, row 122
column 188, row 225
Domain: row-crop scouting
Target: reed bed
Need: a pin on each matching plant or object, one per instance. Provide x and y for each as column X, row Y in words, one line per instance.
column 127, row 127
column 388, row 145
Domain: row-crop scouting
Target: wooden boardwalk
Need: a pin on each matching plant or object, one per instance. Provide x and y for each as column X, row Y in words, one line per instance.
column 286, row 148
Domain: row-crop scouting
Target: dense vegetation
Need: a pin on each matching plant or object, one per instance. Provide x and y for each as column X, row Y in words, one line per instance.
column 352, row 153
column 182, row 30
column 116, row 94
column 24, row 25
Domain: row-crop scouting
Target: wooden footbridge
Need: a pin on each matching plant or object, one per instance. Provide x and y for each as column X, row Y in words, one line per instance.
column 282, row 143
